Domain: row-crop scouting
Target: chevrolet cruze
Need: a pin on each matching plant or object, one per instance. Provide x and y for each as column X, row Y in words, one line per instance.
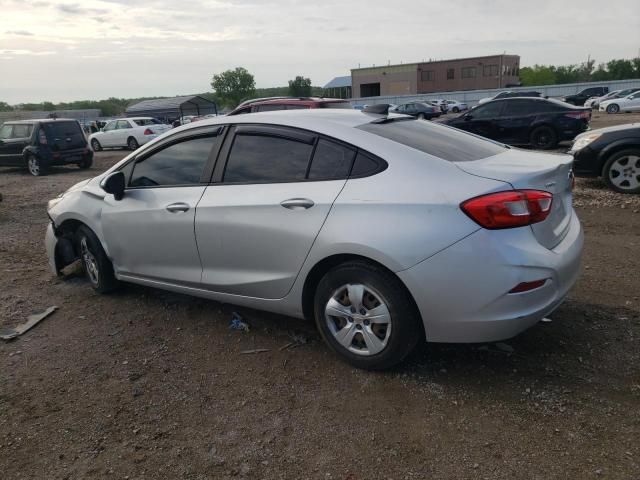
column 386, row 230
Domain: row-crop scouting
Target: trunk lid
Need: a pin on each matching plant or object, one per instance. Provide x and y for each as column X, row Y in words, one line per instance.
column 536, row 171
column 64, row 135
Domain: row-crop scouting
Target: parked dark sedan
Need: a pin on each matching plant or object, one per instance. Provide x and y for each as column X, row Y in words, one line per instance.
column 612, row 153
column 538, row 122
column 38, row 144
column 419, row 110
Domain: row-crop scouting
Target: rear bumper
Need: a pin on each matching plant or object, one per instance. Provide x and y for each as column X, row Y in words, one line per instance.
column 70, row 157
column 462, row 292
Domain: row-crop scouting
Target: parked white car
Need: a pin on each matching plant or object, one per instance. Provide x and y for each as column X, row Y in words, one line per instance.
column 456, row 106
column 127, row 132
column 439, row 102
column 630, row 103
column 594, row 102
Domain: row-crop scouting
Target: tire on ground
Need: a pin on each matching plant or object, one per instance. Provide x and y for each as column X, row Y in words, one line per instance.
column 103, row 280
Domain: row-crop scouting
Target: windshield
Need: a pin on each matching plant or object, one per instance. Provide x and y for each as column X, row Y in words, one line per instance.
column 438, row 140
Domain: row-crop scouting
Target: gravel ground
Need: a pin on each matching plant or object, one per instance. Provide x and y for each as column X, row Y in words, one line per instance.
column 149, row 384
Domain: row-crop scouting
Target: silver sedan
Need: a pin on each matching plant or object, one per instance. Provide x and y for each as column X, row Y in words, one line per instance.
column 385, row 230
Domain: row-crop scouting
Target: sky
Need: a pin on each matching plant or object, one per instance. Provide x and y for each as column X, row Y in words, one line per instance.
column 63, row 50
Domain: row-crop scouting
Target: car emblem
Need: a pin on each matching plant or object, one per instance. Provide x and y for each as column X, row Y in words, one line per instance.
column 550, row 184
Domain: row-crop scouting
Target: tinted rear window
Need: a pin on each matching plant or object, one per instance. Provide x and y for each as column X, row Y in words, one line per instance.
column 62, row 129
column 438, row 140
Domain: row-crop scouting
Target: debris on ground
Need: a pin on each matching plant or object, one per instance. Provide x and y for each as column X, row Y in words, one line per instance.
column 255, row 350
column 73, row 269
column 238, row 323
column 32, row 321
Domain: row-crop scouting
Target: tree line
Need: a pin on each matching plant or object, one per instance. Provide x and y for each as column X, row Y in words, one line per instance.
column 229, row 89
column 617, row 69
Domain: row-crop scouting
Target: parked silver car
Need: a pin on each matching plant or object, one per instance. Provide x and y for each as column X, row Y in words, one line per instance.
column 385, row 230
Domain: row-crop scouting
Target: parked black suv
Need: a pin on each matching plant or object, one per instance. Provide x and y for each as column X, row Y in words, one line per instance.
column 581, row 97
column 538, row 122
column 39, row 144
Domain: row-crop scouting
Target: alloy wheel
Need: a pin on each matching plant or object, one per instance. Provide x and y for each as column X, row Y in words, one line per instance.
column 34, row 166
column 624, row 173
column 359, row 319
column 90, row 261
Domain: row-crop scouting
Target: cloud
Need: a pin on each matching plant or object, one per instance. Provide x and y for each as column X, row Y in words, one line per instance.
column 19, row 32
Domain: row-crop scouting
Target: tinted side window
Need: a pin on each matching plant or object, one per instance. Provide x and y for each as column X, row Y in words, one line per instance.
column 364, row 165
column 109, row 126
column 122, row 124
column 269, row 108
column 330, row 161
column 22, row 131
column 297, row 107
column 178, row 164
column 519, row 107
column 264, row 158
column 5, row 131
column 490, row 110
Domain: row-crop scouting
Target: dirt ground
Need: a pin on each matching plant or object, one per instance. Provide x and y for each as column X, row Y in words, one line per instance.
column 149, row 384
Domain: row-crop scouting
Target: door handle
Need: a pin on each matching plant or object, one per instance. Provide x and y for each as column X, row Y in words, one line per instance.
column 297, row 203
column 178, row 207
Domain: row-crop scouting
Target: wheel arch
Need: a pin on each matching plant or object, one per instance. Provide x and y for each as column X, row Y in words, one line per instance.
column 614, row 148
column 316, row 273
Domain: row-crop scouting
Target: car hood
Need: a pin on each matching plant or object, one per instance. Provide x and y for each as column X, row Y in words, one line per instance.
column 616, row 128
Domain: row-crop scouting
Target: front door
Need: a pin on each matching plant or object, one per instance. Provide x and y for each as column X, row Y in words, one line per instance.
column 108, row 137
column 256, row 225
column 150, row 232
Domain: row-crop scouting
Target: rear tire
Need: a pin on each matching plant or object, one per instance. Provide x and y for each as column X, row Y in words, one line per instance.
column 95, row 145
column 376, row 323
column 613, row 108
column 36, row 166
column 455, row 110
column 132, row 144
column 543, row 137
column 85, row 163
column 96, row 264
column 421, row 116
column 621, row 171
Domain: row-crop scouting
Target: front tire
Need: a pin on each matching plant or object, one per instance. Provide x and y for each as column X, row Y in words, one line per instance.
column 132, row 144
column 613, row 108
column 96, row 264
column 36, row 166
column 544, row 138
column 365, row 315
column 621, row 171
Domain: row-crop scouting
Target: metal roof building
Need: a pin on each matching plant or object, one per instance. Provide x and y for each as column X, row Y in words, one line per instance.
column 172, row 108
column 339, row 87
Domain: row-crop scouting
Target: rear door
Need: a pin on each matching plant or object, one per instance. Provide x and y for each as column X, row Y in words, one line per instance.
column 515, row 121
column 257, row 222
column 13, row 139
column 122, row 133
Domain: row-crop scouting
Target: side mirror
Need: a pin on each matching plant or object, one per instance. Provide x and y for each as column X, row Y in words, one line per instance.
column 114, row 184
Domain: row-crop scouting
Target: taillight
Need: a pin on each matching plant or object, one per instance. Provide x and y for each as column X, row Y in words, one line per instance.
column 42, row 138
column 148, row 131
column 579, row 114
column 511, row 209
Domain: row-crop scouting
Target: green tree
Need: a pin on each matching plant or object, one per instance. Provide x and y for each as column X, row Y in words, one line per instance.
column 621, row 69
column 600, row 74
column 5, row 107
column 233, row 86
column 537, row 75
column 300, row 87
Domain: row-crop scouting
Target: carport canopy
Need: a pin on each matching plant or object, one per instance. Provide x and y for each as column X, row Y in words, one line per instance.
column 173, row 107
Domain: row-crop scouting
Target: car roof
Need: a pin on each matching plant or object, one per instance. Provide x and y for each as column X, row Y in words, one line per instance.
column 535, row 99
column 39, row 120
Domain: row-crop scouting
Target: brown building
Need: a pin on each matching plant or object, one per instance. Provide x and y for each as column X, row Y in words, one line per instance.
column 477, row 73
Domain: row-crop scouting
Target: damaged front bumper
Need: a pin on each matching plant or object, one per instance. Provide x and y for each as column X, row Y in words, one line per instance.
column 59, row 247
column 50, row 243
